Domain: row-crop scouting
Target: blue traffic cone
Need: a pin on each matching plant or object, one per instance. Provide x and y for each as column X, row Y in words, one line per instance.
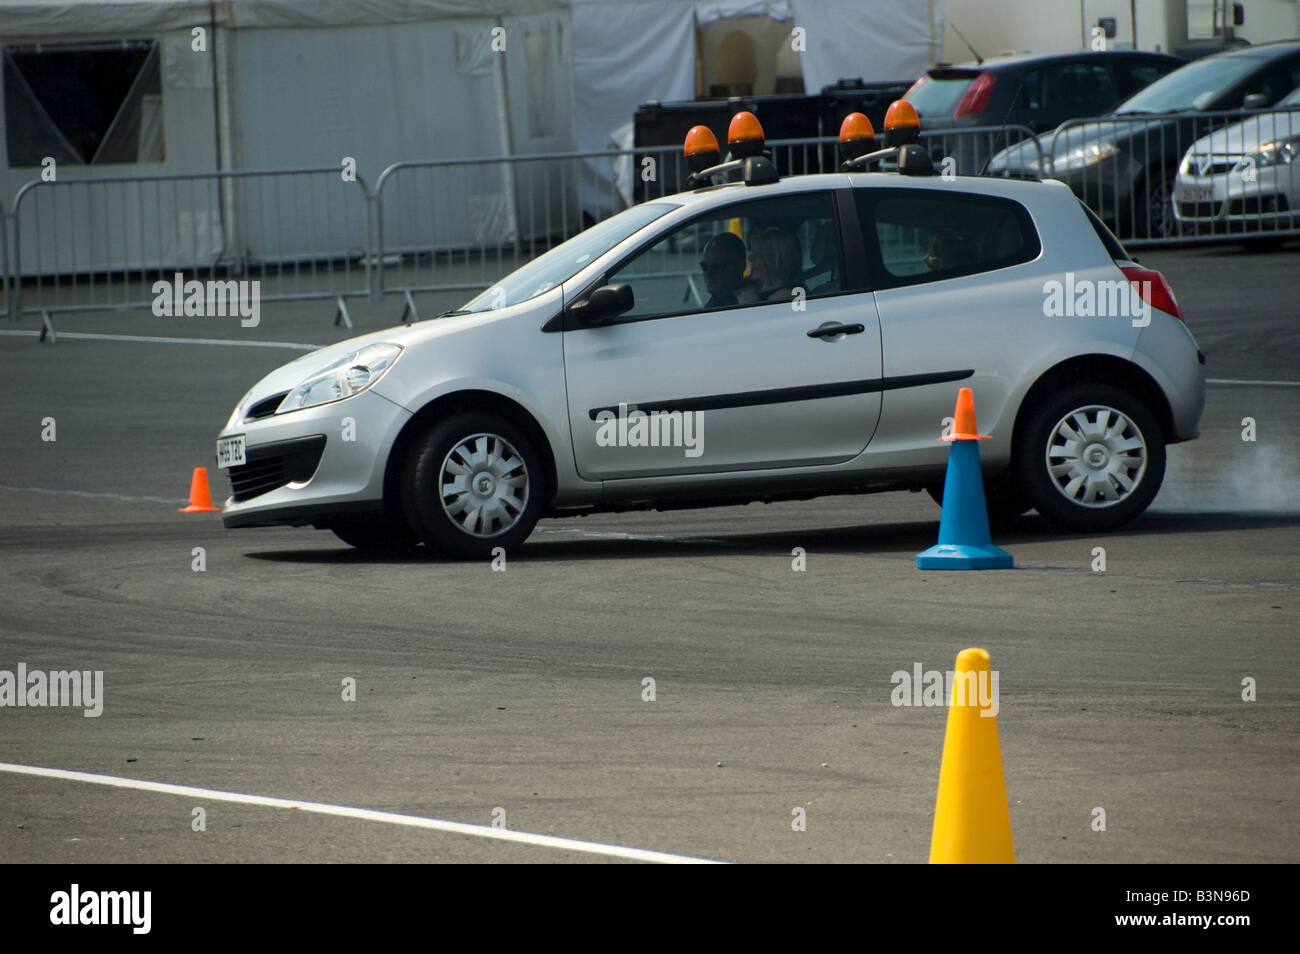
column 964, row 542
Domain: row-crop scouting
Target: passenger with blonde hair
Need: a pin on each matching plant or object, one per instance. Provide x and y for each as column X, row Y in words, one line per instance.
column 775, row 266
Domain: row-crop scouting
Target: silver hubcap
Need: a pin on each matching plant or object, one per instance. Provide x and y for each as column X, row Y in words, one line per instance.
column 1096, row 456
column 484, row 485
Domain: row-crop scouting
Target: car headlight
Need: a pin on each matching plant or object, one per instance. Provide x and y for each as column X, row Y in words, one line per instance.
column 1279, row 152
column 345, row 378
column 1085, row 156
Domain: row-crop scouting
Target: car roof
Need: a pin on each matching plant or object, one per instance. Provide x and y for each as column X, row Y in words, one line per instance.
column 1028, row 59
column 792, row 185
column 1274, row 49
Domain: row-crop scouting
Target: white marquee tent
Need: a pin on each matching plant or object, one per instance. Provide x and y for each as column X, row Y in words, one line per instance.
column 277, row 84
column 629, row 52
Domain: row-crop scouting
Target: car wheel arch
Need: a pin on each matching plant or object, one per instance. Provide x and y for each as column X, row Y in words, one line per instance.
column 487, row 402
column 1099, row 369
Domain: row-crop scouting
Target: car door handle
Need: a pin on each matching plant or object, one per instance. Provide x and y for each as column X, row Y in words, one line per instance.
column 833, row 328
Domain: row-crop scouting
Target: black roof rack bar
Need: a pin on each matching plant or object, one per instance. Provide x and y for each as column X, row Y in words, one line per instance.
column 861, row 162
column 706, row 175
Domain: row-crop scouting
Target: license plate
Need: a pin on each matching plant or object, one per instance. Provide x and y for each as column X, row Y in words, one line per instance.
column 1195, row 193
column 230, row 452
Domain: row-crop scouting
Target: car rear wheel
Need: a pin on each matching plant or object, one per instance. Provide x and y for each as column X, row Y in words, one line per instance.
column 1091, row 459
column 1003, row 499
column 379, row 534
column 471, row 484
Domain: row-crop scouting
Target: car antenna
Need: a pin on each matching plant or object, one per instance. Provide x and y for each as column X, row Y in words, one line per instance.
column 978, row 59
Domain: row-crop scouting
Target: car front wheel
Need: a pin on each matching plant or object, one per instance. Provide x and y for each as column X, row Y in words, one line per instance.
column 1158, row 222
column 473, row 483
column 1091, row 459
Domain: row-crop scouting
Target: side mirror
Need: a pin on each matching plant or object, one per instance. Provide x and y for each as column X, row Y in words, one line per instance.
column 1254, row 101
column 603, row 305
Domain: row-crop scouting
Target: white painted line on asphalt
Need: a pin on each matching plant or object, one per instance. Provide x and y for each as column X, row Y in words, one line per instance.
column 151, row 339
column 364, row 814
column 92, row 493
column 1235, row 382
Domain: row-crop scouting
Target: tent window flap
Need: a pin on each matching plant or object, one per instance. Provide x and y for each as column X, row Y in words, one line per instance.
column 84, row 104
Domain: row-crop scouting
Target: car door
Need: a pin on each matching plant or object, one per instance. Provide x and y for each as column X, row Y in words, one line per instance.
column 1076, row 89
column 701, row 377
column 949, row 297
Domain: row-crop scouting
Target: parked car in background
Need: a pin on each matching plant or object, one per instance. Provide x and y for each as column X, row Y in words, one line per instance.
column 1244, row 177
column 1123, row 165
column 1040, row 92
column 1035, row 92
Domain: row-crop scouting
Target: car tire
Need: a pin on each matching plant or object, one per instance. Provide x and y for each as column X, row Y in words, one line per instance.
column 1157, row 218
column 380, row 534
column 1004, row 501
column 1090, row 459
column 496, row 481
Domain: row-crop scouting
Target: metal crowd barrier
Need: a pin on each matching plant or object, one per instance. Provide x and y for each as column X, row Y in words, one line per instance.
column 96, row 244
column 5, row 273
column 971, row 148
column 451, row 224
column 1130, row 170
column 460, row 224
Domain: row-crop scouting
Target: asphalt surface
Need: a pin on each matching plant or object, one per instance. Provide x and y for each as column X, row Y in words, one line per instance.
column 523, row 690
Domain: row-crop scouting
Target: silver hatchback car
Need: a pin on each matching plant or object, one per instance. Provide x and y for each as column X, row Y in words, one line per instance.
column 763, row 339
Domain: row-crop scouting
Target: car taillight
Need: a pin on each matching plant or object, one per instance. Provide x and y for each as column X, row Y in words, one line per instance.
column 976, row 96
column 1153, row 289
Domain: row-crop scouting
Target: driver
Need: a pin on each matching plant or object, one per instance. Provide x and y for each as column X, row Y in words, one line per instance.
column 723, row 265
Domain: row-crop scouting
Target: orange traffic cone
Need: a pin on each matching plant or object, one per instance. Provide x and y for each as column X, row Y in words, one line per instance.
column 964, row 542
column 200, row 496
column 963, row 419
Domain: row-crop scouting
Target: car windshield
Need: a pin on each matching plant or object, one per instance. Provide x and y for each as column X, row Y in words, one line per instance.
column 567, row 259
column 1193, row 86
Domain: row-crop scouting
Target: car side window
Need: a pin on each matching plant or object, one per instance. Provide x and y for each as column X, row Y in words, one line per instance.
column 921, row 235
column 1029, row 98
column 1277, row 82
column 763, row 251
column 1079, row 89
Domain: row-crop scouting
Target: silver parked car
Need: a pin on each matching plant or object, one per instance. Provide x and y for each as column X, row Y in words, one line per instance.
column 1244, row 177
column 764, row 339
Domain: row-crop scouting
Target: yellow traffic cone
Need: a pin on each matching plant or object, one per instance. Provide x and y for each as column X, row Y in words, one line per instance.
column 971, row 821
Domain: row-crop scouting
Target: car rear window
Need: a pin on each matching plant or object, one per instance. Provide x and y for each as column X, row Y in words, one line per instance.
column 938, row 95
column 922, row 235
column 1113, row 245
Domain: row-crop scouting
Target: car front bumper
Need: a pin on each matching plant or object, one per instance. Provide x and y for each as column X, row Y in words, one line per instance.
column 313, row 463
column 1227, row 199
